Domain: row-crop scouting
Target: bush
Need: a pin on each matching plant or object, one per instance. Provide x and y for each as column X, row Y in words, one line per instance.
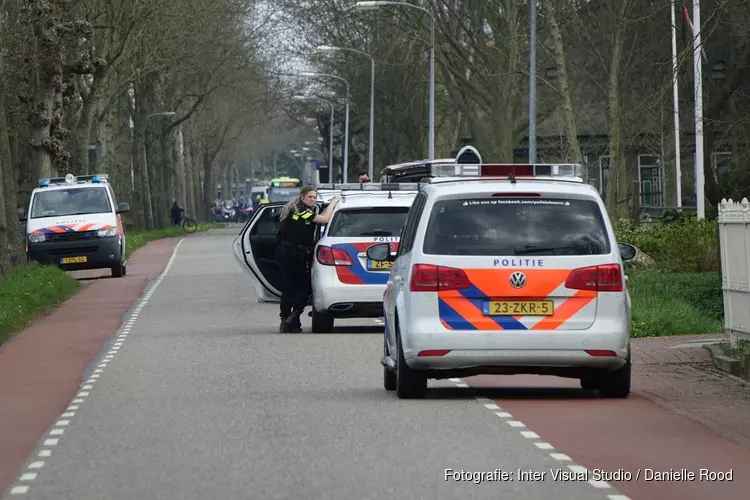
column 27, row 292
column 666, row 304
column 680, row 243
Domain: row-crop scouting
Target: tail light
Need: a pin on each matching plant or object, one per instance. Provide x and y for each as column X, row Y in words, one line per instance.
column 428, row 278
column 329, row 256
column 606, row 278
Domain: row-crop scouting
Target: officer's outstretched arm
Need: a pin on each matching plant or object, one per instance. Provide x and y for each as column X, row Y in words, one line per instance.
column 326, row 215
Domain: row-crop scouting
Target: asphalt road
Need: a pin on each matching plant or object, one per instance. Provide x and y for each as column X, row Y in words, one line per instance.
column 203, row 400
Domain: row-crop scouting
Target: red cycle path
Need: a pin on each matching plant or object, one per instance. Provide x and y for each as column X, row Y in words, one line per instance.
column 680, row 417
column 41, row 367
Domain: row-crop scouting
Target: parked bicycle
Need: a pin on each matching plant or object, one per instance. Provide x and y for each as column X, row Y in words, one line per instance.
column 187, row 224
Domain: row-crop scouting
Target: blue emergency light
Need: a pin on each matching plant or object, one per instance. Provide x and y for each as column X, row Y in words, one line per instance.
column 95, row 179
column 43, row 182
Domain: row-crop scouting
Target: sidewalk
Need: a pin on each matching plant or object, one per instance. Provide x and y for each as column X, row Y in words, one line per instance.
column 677, row 373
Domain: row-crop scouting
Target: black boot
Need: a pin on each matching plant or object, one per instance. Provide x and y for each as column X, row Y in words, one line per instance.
column 293, row 323
column 284, row 326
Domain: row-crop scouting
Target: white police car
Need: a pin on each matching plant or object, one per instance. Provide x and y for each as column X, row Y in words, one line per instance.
column 346, row 284
column 74, row 223
column 506, row 274
column 255, row 247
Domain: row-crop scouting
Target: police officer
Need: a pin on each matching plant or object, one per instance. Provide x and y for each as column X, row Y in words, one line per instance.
column 298, row 220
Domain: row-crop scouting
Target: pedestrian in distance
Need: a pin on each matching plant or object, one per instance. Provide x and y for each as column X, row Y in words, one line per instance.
column 298, row 223
column 364, row 177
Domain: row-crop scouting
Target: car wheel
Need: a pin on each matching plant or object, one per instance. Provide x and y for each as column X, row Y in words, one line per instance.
column 389, row 377
column 119, row 271
column 616, row 384
column 410, row 383
column 322, row 322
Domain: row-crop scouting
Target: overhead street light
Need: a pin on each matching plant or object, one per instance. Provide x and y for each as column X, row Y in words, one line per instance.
column 346, row 118
column 371, row 141
column 374, row 5
column 330, row 134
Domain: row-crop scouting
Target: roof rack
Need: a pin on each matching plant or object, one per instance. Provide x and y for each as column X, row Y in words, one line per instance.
column 372, row 186
column 71, row 179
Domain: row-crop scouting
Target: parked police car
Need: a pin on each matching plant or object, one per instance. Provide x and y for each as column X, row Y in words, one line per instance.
column 345, row 283
column 74, row 222
column 506, row 269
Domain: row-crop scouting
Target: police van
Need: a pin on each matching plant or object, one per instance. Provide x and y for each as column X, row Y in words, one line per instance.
column 74, row 222
column 506, row 269
column 345, row 283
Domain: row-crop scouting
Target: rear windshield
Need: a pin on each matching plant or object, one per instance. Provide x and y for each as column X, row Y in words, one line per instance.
column 516, row 227
column 73, row 201
column 375, row 221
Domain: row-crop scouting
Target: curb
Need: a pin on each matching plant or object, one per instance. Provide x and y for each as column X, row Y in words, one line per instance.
column 732, row 367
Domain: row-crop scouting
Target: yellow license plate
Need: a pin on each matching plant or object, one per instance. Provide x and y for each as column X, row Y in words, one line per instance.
column 520, row 308
column 74, row 260
column 379, row 265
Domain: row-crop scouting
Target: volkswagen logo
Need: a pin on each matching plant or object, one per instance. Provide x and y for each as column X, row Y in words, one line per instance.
column 517, row 279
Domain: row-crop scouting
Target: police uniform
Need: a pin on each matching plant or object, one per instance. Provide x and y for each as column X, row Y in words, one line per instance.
column 294, row 253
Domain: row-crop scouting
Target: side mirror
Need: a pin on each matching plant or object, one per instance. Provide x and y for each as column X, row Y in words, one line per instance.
column 627, row 252
column 21, row 217
column 380, row 253
column 122, row 208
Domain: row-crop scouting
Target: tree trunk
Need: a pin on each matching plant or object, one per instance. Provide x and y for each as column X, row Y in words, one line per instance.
column 6, row 226
column 208, row 188
column 558, row 52
column 617, row 185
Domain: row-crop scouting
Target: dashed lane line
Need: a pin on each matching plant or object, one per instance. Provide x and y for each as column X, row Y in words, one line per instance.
column 31, row 473
column 542, row 445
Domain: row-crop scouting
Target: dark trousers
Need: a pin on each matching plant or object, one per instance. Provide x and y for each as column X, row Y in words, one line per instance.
column 295, row 278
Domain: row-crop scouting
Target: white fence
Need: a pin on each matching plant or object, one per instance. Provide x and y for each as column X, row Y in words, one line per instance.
column 734, row 239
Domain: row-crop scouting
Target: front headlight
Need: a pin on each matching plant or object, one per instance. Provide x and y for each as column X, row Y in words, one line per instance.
column 37, row 238
column 105, row 233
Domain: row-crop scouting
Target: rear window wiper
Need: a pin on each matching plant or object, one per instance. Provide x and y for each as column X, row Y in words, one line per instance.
column 377, row 233
column 529, row 249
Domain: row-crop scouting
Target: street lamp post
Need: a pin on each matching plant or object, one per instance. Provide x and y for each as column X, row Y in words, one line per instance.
column 146, row 180
column 370, row 153
column 532, row 81
column 346, row 118
column 373, row 5
column 330, row 131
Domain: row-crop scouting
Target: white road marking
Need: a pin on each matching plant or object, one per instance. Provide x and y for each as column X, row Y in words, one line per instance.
column 103, row 363
column 542, row 445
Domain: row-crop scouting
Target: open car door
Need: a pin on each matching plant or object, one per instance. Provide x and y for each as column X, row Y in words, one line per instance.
column 255, row 248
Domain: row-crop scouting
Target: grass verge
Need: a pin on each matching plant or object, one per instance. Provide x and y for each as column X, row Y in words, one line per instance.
column 666, row 304
column 31, row 290
column 135, row 240
column 27, row 292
